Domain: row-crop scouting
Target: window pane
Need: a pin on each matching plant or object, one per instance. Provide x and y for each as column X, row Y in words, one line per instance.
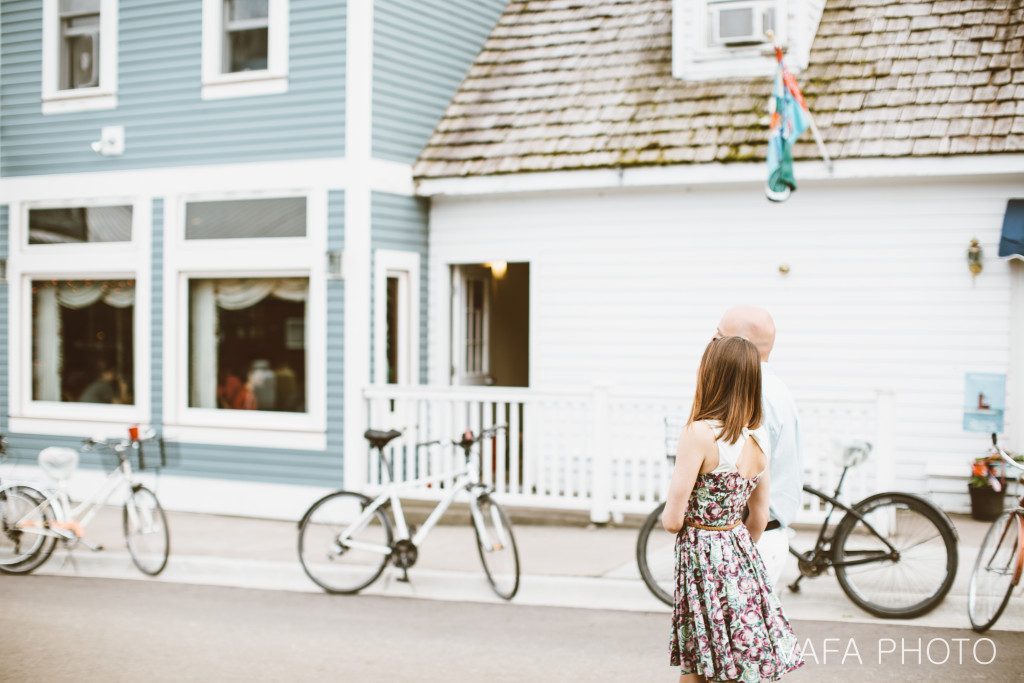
column 247, row 344
column 247, row 9
column 82, row 341
column 246, row 218
column 736, row 23
column 248, row 50
column 79, row 6
column 80, row 224
column 80, row 37
column 391, row 335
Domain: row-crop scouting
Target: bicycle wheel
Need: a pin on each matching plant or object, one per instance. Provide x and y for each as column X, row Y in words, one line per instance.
column 497, row 546
column 992, row 578
column 915, row 579
column 26, row 541
column 344, row 565
column 145, row 531
column 655, row 556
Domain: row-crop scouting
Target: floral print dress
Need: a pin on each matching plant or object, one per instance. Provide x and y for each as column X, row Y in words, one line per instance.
column 727, row 624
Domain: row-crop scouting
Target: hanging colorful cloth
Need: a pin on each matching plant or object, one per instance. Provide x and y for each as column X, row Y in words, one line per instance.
column 789, row 119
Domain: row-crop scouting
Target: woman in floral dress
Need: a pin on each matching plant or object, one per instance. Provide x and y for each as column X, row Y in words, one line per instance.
column 727, row 624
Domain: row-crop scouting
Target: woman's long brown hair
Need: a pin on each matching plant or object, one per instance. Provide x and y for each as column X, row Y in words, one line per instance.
column 729, row 387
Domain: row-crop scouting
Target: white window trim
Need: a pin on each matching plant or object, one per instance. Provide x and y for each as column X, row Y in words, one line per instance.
column 262, row 257
column 694, row 60
column 272, row 80
column 386, row 264
column 129, row 260
column 104, row 95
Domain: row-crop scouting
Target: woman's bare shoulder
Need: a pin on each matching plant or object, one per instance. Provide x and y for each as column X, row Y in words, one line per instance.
column 699, row 437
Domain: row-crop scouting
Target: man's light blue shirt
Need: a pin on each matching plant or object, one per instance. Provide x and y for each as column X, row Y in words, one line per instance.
column 785, row 460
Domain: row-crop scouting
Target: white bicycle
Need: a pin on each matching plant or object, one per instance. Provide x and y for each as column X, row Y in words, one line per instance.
column 33, row 518
column 346, row 539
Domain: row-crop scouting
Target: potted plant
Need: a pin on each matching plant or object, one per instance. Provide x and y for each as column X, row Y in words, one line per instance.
column 987, row 488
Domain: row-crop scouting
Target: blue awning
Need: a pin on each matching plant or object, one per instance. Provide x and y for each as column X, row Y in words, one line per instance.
column 1012, row 242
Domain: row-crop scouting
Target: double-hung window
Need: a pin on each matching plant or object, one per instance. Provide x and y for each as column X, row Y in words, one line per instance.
column 79, row 315
column 245, row 47
column 79, row 55
column 247, row 342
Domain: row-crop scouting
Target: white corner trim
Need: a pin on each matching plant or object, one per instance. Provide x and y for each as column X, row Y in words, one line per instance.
column 356, row 259
column 717, row 173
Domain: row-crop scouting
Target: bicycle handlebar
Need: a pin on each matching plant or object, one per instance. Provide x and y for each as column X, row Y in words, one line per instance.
column 468, row 438
column 1007, row 458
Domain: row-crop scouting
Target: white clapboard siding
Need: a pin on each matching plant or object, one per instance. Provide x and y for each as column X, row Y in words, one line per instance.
column 627, row 286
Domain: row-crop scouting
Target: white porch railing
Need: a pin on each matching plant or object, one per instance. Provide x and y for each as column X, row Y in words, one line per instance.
column 600, row 452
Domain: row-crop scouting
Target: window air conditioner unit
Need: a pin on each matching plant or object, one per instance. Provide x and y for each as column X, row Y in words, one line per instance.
column 740, row 23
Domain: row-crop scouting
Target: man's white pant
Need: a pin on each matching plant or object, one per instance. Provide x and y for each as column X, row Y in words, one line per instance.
column 774, row 548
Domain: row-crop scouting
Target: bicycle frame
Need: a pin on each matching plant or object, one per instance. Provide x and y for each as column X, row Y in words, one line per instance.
column 1015, row 515
column 70, row 522
column 463, row 479
column 819, row 545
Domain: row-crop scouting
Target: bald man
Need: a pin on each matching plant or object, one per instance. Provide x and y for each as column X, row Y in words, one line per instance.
column 780, row 418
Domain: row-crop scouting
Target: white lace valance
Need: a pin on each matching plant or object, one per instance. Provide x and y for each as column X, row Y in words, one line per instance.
column 234, row 295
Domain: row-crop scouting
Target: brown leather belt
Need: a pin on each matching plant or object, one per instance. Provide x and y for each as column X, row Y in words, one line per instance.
column 712, row 528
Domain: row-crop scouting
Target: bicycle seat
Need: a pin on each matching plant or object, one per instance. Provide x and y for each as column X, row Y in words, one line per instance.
column 58, row 463
column 855, row 452
column 380, row 439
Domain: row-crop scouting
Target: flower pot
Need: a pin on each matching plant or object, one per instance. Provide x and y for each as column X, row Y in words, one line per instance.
column 986, row 502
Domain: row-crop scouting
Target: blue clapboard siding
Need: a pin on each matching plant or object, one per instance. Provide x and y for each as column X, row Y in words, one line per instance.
column 4, row 357
column 159, row 82
column 156, row 394
column 422, row 49
column 335, row 343
column 399, row 223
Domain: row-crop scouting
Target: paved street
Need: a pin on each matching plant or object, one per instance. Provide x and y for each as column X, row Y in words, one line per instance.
column 70, row 629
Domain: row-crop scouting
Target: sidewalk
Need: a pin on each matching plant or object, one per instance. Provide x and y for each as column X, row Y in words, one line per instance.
column 562, row 566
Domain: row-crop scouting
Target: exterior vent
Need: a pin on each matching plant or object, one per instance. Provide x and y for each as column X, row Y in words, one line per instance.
column 740, row 23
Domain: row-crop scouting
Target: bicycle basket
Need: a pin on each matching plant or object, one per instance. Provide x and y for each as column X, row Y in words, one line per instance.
column 152, row 454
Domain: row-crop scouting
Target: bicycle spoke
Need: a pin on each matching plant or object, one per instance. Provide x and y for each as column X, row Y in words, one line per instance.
column 338, row 557
column 921, row 573
column 991, row 581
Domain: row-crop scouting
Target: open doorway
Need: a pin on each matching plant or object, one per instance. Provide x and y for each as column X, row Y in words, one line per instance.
column 491, row 324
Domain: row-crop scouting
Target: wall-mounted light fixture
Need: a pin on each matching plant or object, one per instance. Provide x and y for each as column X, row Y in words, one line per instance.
column 111, row 142
column 334, row 263
column 974, row 255
column 498, row 268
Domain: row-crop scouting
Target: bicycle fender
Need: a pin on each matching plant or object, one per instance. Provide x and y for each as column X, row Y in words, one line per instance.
column 939, row 511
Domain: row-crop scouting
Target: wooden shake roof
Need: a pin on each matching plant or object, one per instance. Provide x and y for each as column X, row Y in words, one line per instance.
column 587, row 84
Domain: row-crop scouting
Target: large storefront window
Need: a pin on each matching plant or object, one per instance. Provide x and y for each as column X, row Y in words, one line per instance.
column 247, row 344
column 82, row 341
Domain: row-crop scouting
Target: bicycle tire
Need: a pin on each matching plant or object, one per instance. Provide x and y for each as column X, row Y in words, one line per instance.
column 147, row 536
column 651, row 549
column 1001, row 548
column 21, row 500
column 319, row 532
column 497, row 547
column 924, row 539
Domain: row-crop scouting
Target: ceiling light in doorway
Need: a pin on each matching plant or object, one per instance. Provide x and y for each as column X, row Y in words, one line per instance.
column 498, row 268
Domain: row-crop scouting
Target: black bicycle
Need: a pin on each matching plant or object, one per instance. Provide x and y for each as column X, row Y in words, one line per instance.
column 894, row 554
